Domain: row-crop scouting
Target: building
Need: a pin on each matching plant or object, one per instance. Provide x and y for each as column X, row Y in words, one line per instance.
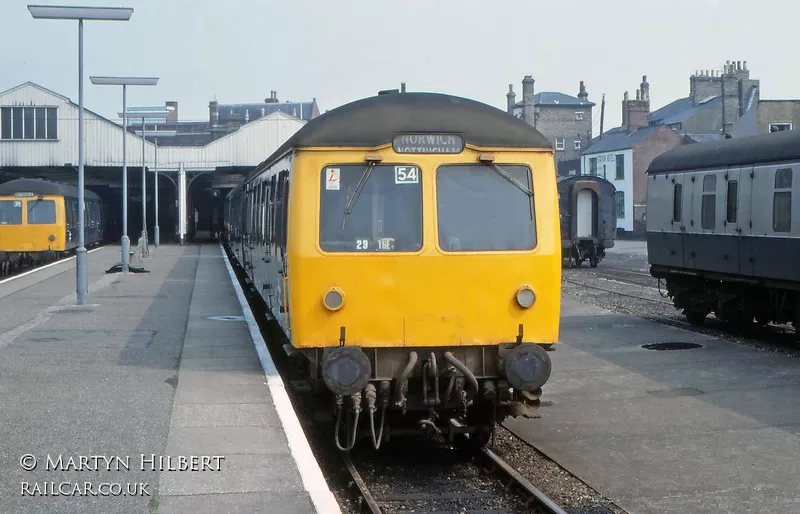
column 703, row 115
column 563, row 119
column 623, row 154
column 224, row 119
column 39, row 139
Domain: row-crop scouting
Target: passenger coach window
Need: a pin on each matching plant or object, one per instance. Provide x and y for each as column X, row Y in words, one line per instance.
column 41, row 212
column 677, row 203
column 782, row 201
column 709, row 203
column 385, row 217
column 10, row 212
column 732, row 201
column 479, row 209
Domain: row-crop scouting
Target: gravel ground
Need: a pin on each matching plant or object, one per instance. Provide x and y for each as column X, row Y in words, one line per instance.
column 622, row 284
column 559, row 485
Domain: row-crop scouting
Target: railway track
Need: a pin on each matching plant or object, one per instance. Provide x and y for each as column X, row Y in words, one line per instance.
column 646, row 284
column 459, row 491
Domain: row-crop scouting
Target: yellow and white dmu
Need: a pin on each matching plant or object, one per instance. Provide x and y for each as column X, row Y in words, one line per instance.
column 408, row 245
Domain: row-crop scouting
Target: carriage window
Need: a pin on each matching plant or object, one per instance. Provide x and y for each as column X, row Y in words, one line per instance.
column 479, row 210
column 782, row 201
column 10, row 212
column 385, row 217
column 41, row 212
column 732, row 201
column 708, row 205
column 677, row 203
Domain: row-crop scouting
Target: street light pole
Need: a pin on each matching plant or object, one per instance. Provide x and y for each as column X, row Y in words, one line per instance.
column 124, row 82
column 126, row 241
column 51, row 12
column 81, row 278
column 155, row 165
column 144, row 195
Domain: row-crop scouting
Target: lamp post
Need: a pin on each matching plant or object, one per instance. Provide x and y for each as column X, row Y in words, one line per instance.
column 124, row 82
column 147, row 115
column 155, row 134
column 51, row 12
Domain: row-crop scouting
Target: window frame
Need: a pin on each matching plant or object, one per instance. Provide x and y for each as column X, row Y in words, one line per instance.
column 373, row 253
column 579, row 116
column 781, row 124
column 593, row 166
column 578, row 144
column 677, row 202
column 619, row 197
column 28, row 123
column 782, row 190
column 620, row 166
column 43, row 201
column 735, row 204
column 713, row 211
column 531, row 200
column 560, row 144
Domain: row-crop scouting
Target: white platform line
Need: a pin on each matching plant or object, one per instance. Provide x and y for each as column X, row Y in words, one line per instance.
column 40, row 268
column 310, row 472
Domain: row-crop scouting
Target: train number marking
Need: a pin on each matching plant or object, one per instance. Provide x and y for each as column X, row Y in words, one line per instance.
column 17, row 203
column 332, row 179
column 362, row 244
column 406, row 175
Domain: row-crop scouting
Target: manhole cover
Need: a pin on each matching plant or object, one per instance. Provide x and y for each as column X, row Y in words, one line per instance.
column 671, row 346
column 226, row 318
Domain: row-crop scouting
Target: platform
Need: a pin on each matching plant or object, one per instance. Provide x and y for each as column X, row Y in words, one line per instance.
column 160, row 364
column 706, row 430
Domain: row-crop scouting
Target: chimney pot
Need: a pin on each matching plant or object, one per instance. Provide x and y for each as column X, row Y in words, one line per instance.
column 744, row 65
column 739, row 65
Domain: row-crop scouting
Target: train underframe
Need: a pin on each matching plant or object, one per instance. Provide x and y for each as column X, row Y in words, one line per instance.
column 584, row 250
column 12, row 262
column 457, row 393
column 736, row 302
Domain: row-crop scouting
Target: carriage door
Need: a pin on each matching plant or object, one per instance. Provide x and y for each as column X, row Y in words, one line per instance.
column 729, row 246
column 585, row 213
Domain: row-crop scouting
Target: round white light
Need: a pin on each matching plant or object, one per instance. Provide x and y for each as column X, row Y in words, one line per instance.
column 333, row 299
column 525, row 297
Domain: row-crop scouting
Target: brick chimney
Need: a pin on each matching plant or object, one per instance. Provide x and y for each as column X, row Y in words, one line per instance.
column 527, row 100
column 582, row 94
column 273, row 98
column 172, row 116
column 636, row 113
column 511, row 99
column 213, row 112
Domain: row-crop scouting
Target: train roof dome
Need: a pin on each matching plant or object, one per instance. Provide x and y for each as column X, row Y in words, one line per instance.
column 42, row 187
column 778, row 146
column 376, row 120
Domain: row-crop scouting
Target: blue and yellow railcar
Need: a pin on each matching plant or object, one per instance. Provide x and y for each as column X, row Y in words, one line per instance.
column 38, row 222
column 408, row 245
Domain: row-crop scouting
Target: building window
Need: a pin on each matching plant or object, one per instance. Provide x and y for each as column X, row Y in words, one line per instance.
column 779, row 127
column 28, row 123
column 782, row 201
column 677, row 203
column 732, row 201
column 578, row 116
column 577, row 144
column 620, row 166
column 593, row 166
column 619, row 196
column 559, row 143
column 709, row 203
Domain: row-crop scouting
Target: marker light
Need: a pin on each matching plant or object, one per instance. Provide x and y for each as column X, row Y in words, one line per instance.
column 334, row 299
column 525, row 296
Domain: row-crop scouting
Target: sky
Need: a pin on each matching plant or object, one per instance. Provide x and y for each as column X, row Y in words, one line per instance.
column 339, row 51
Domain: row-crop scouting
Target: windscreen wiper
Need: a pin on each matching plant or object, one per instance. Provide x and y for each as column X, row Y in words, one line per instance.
column 351, row 202
column 503, row 173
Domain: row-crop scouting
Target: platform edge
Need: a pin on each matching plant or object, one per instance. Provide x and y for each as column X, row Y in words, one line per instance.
column 307, row 465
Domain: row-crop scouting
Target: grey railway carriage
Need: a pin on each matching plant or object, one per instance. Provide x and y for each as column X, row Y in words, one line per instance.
column 723, row 231
column 588, row 218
